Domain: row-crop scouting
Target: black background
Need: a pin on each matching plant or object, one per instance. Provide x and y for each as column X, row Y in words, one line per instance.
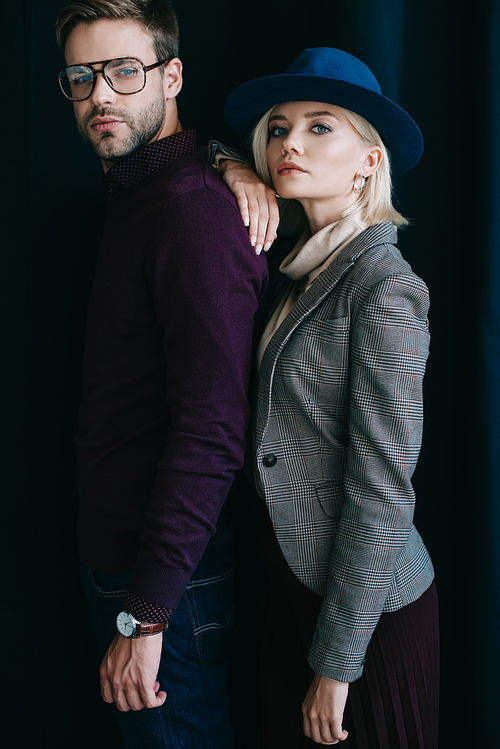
column 439, row 63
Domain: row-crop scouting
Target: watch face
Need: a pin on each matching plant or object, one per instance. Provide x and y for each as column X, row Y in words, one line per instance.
column 125, row 624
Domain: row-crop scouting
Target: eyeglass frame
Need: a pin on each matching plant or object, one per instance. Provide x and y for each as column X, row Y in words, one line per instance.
column 146, row 69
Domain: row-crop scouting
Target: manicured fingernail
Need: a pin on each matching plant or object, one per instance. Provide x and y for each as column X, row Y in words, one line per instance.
column 253, row 240
column 258, row 249
column 267, row 246
column 246, row 221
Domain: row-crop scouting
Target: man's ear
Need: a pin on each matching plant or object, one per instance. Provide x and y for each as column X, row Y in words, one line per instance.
column 172, row 78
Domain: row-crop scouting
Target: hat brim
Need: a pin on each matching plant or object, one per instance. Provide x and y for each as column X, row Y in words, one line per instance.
column 247, row 103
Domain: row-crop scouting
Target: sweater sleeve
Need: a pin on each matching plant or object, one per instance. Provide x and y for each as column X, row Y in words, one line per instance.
column 206, row 283
column 388, row 351
column 144, row 611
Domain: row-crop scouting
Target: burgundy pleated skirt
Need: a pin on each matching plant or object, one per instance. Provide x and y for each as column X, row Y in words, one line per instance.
column 393, row 705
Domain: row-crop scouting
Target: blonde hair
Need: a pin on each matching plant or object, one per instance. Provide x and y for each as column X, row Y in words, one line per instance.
column 375, row 199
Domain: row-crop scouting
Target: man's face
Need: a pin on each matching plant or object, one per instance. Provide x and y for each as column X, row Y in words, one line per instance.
column 116, row 125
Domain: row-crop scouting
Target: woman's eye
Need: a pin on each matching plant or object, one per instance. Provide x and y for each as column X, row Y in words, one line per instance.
column 321, row 129
column 277, row 131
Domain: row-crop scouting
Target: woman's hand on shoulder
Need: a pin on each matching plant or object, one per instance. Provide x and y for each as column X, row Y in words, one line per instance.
column 257, row 203
column 323, row 710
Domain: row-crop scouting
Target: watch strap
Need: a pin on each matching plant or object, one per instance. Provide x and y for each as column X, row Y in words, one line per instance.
column 144, row 629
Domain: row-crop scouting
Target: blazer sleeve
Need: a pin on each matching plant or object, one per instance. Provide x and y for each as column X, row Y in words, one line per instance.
column 388, row 351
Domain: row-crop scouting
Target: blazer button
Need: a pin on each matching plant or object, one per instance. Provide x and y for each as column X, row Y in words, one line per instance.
column 269, row 460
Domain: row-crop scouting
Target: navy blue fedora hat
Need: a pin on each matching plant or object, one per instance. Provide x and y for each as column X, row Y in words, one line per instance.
column 332, row 76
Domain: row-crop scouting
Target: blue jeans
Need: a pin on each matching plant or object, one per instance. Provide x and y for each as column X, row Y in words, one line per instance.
column 192, row 670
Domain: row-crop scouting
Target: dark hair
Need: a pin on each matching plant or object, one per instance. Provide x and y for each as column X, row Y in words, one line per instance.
column 157, row 17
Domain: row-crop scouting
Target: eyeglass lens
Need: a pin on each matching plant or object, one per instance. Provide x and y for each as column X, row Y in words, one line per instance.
column 125, row 75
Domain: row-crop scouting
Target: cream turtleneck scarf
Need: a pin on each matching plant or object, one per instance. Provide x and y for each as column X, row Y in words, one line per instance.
column 309, row 258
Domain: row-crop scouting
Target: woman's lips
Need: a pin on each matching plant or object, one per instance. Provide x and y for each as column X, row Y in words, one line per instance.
column 288, row 167
column 102, row 125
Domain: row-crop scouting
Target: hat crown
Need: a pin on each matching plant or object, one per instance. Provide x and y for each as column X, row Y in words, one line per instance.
column 332, row 76
column 326, row 62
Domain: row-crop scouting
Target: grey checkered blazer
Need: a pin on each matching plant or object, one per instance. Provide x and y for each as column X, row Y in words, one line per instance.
column 338, row 433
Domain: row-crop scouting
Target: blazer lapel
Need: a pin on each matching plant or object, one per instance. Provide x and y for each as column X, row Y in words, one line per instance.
column 323, row 284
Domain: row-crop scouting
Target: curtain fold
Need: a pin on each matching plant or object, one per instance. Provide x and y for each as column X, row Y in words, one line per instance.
column 489, row 340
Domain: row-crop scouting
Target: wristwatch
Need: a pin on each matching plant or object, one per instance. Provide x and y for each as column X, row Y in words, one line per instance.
column 128, row 626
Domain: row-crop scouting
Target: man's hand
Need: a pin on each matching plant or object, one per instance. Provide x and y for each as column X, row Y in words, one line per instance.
column 323, row 710
column 128, row 673
column 257, row 203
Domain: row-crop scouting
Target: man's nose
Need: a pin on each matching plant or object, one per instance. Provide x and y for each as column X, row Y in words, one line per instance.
column 102, row 93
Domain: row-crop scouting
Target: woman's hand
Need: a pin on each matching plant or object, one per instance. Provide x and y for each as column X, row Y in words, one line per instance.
column 323, row 710
column 257, row 203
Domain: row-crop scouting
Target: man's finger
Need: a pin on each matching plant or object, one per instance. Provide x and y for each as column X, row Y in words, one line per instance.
column 106, row 689
column 151, row 698
column 135, row 697
column 121, row 700
column 106, row 693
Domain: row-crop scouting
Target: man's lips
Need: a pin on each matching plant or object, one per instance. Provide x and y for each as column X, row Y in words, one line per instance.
column 288, row 167
column 102, row 124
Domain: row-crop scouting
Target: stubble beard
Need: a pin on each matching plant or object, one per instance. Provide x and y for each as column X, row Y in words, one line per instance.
column 143, row 127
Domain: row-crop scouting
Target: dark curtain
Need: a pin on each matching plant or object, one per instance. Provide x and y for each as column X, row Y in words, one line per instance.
column 437, row 59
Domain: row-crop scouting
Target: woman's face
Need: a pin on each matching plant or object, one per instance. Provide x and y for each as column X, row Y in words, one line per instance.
column 314, row 155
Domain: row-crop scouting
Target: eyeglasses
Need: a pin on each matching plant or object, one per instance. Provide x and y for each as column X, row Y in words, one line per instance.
column 125, row 75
